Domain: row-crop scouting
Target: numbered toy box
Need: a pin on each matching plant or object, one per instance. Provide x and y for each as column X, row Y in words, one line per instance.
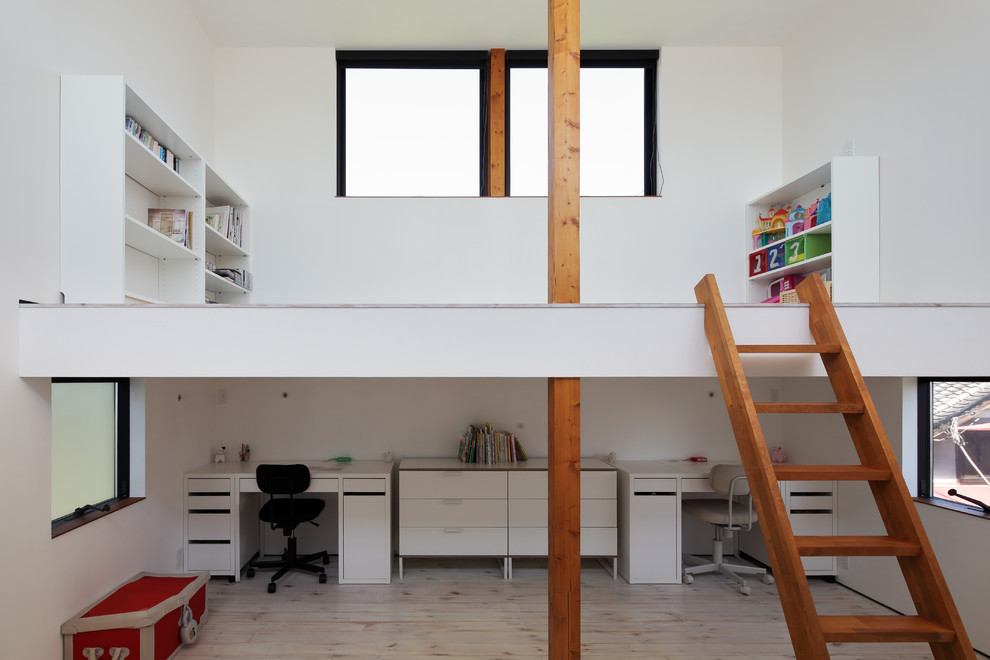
column 148, row 617
column 808, row 246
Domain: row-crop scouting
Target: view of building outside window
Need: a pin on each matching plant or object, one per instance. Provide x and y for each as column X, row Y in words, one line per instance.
column 960, row 446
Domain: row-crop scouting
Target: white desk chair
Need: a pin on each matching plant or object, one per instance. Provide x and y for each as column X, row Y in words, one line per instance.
column 727, row 516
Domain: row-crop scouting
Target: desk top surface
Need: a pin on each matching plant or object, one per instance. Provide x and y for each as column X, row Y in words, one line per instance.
column 669, row 468
column 456, row 464
column 317, row 469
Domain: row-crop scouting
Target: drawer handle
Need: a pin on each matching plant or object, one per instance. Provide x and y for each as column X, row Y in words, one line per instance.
column 453, row 501
column 453, row 474
column 453, row 530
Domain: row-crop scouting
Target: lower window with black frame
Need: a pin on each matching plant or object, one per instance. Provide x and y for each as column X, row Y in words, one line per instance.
column 90, row 446
column 954, row 441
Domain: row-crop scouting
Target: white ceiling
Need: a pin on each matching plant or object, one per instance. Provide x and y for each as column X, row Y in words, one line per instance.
column 483, row 24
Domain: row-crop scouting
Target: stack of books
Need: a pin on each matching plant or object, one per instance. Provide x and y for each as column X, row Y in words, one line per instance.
column 174, row 223
column 148, row 140
column 239, row 276
column 226, row 221
column 483, row 444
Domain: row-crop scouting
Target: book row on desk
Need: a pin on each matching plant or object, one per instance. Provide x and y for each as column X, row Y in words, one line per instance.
column 174, row 223
column 483, row 444
column 239, row 276
column 149, row 141
column 228, row 222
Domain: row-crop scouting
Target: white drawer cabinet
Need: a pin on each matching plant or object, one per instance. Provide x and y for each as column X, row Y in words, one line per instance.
column 811, row 510
column 451, row 509
column 446, row 513
column 209, row 525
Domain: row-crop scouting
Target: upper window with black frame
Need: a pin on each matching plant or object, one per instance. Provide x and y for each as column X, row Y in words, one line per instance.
column 954, row 441
column 411, row 123
column 90, row 445
column 618, row 123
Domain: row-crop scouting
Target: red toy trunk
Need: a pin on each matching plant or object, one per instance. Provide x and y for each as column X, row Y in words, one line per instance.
column 149, row 617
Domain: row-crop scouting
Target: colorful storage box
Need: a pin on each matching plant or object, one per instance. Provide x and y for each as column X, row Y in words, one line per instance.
column 150, row 616
column 808, row 246
column 776, row 256
column 757, row 263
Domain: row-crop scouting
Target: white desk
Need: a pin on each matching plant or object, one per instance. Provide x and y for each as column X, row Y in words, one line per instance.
column 222, row 531
column 650, row 526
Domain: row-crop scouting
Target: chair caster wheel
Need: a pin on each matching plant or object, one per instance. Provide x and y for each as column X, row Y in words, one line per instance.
column 767, row 578
column 687, row 578
column 271, row 587
column 326, row 559
column 250, row 573
column 231, row 579
column 745, row 590
column 323, row 578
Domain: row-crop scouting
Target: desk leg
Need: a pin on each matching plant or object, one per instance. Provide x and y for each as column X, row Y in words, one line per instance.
column 400, row 567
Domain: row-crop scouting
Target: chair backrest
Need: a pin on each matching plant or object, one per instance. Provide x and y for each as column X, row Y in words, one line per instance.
column 729, row 479
column 282, row 479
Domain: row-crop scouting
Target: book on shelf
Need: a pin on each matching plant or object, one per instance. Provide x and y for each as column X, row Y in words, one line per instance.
column 228, row 222
column 174, row 223
column 239, row 276
column 151, row 144
column 483, row 444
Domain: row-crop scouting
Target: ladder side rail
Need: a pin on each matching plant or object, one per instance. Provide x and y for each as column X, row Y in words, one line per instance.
column 803, row 624
column 922, row 574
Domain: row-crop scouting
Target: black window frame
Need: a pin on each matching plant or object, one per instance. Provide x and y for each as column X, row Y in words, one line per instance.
column 647, row 59
column 122, row 456
column 925, row 443
column 411, row 59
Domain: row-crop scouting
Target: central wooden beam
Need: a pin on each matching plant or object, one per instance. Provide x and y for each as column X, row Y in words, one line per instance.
column 564, row 394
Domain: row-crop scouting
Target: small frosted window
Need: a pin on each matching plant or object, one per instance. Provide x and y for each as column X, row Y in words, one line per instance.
column 84, row 442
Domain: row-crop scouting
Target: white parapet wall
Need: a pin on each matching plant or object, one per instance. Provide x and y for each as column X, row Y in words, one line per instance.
column 479, row 341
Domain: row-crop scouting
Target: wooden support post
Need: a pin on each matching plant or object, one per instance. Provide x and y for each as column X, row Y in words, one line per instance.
column 564, row 394
column 496, row 122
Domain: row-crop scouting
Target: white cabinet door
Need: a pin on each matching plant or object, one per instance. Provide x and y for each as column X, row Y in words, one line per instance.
column 653, row 525
column 366, row 553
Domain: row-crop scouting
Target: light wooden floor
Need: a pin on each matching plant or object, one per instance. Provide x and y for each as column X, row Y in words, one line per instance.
column 464, row 609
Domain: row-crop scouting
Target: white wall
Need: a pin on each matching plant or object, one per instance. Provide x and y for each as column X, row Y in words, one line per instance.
column 902, row 79
column 720, row 146
column 637, row 418
column 54, row 578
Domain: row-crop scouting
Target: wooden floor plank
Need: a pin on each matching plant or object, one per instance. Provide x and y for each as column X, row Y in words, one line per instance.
column 464, row 609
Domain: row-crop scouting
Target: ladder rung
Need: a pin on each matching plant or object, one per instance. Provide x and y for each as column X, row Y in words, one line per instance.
column 884, row 629
column 788, row 348
column 855, row 546
column 830, row 473
column 773, row 407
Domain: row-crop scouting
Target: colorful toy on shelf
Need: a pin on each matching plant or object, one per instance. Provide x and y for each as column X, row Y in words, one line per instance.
column 785, row 283
column 825, row 210
column 778, row 218
column 795, row 221
column 811, row 215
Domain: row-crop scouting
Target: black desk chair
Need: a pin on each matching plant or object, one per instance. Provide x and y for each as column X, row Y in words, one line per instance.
column 286, row 513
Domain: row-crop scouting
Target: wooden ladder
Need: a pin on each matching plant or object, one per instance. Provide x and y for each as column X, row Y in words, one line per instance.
column 937, row 621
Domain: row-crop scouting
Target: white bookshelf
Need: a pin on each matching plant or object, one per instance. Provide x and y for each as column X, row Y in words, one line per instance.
column 220, row 250
column 854, row 183
column 108, row 181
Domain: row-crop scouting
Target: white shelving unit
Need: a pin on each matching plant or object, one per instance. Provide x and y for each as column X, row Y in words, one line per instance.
column 854, row 182
column 108, row 182
column 220, row 250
